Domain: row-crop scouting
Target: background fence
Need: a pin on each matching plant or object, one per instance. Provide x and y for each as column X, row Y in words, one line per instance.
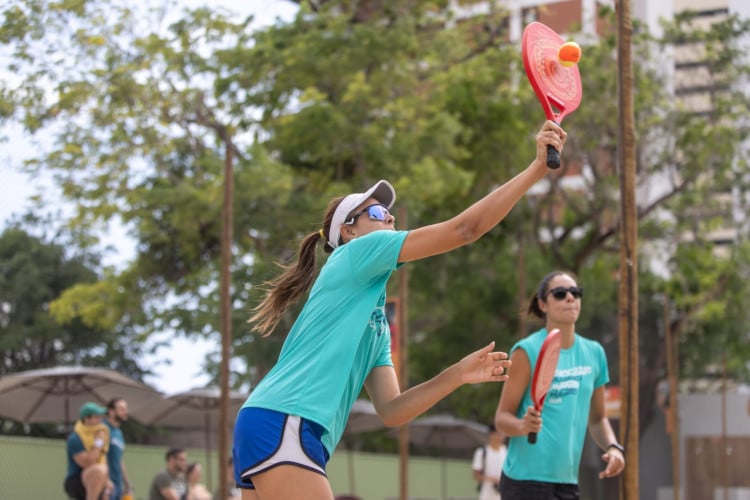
column 34, row 469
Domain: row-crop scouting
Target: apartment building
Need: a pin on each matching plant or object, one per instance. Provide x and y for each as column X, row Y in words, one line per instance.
column 579, row 16
column 687, row 74
column 690, row 81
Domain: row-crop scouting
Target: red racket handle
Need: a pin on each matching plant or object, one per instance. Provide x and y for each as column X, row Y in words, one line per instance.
column 532, row 435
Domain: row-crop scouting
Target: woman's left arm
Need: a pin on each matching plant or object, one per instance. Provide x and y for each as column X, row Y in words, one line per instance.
column 397, row 408
column 603, row 435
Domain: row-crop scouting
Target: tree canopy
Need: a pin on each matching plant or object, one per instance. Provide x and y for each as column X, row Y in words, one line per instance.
column 136, row 112
column 35, row 273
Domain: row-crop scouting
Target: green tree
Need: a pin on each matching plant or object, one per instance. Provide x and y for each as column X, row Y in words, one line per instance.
column 139, row 117
column 34, row 274
column 142, row 153
column 137, row 134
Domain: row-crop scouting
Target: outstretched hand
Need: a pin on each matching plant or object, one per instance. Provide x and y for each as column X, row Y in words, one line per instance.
column 484, row 365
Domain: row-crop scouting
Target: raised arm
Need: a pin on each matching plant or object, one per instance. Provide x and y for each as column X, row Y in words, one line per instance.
column 92, row 456
column 488, row 212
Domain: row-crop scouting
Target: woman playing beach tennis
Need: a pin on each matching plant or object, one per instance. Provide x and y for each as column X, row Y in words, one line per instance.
column 548, row 469
column 292, row 421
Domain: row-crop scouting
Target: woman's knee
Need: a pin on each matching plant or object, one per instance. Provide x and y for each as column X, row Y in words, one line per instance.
column 96, row 472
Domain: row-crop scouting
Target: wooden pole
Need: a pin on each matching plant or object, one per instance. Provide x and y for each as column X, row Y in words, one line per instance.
column 672, row 397
column 521, row 287
column 207, row 427
column 403, row 375
column 226, row 315
column 628, row 287
column 724, row 443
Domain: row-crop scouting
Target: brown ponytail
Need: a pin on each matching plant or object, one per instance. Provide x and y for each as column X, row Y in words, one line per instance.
column 287, row 288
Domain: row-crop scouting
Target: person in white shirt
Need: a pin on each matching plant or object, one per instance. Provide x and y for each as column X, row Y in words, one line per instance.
column 488, row 464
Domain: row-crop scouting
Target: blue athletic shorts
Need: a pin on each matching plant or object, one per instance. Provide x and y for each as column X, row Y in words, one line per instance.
column 264, row 439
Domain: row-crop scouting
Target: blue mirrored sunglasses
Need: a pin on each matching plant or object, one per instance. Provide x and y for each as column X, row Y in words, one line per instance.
column 374, row 212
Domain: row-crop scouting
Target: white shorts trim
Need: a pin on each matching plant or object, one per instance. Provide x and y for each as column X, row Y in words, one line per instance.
column 289, row 452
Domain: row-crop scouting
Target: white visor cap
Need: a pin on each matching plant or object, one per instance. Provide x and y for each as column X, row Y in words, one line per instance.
column 381, row 191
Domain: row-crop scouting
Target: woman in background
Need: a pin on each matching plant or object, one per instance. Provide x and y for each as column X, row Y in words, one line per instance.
column 195, row 489
column 548, row 469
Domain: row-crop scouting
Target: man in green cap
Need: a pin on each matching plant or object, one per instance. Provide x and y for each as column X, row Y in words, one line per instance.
column 87, row 446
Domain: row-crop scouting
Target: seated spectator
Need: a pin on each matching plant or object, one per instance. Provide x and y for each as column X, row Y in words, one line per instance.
column 195, row 489
column 87, row 445
column 170, row 484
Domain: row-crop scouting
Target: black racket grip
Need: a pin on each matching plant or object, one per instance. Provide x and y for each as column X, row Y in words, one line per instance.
column 532, row 435
column 553, row 162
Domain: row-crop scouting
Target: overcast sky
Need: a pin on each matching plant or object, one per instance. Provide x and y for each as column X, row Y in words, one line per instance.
column 186, row 357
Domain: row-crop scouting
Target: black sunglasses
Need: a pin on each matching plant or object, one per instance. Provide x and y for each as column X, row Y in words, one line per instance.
column 374, row 212
column 560, row 292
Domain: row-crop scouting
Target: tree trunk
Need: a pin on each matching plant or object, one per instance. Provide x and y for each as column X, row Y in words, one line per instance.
column 226, row 316
column 671, row 337
column 628, row 290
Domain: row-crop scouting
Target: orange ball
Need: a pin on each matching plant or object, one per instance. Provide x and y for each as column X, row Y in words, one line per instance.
column 569, row 53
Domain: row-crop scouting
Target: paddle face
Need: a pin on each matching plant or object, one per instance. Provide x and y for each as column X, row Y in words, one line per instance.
column 557, row 87
column 544, row 372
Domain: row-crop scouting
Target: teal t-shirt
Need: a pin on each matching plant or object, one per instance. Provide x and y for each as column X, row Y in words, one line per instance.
column 340, row 335
column 114, row 456
column 556, row 456
column 73, row 446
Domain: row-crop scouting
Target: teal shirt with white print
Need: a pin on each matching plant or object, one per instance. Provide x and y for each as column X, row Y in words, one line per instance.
column 338, row 338
column 556, row 456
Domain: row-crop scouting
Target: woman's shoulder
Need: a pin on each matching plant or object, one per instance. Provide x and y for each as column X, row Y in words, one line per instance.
column 531, row 344
column 378, row 248
column 533, row 339
column 377, row 238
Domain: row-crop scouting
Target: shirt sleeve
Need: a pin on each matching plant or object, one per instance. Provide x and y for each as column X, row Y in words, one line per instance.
column 476, row 462
column 526, row 346
column 75, row 445
column 375, row 254
column 162, row 480
column 385, row 357
column 603, row 372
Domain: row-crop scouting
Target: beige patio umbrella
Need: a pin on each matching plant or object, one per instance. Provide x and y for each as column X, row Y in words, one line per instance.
column 192, row 409
column 446, row 432
column 54, row 395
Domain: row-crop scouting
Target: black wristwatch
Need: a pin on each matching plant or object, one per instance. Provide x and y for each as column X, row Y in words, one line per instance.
column 617, row 446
